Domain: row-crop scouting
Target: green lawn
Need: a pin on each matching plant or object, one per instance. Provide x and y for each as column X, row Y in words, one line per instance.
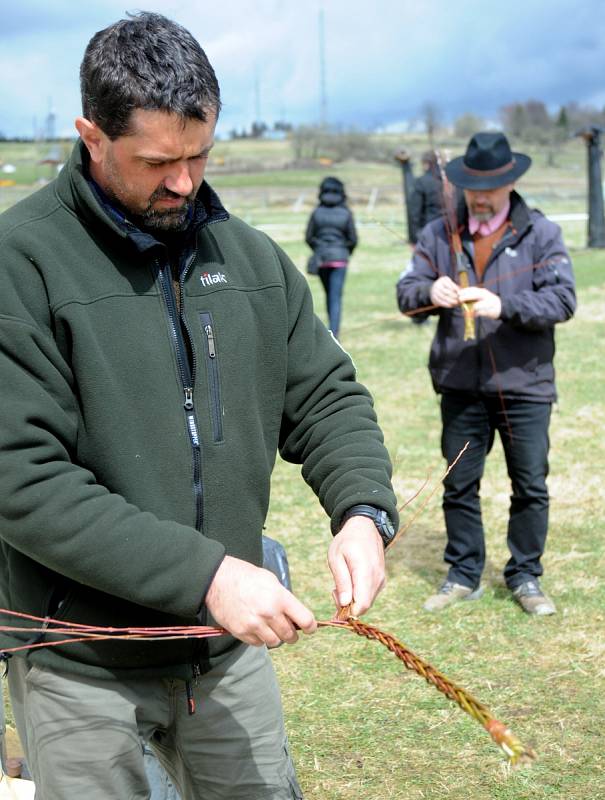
column 360, row 725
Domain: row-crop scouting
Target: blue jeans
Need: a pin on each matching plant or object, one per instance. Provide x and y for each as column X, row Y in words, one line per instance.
column 333, row 280
column 523, row 430
column 160, row 784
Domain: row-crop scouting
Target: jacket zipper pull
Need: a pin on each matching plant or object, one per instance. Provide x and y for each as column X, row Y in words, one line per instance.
column 190, row 698
column 210, row 337
column 188, row 404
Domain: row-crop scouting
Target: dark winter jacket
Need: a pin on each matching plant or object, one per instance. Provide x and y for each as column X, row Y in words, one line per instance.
column 331, row 230
column 531, row 271
column 136, row 446
column 426, row 203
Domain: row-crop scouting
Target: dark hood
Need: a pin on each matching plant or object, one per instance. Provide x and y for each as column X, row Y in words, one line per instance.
column 332, row 192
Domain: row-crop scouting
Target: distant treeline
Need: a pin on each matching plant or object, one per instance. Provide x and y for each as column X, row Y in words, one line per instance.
column 532, row 120
column 29, row 139
column 529, row 121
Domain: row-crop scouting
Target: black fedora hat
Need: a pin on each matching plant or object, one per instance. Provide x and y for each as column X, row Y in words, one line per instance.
column 487, row 164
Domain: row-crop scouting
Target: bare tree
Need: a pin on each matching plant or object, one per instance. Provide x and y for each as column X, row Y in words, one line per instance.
column 431, row 117
column 514, row 119
column 468, row 124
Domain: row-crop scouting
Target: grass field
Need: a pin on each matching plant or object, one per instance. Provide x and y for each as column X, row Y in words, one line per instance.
column 360, row 725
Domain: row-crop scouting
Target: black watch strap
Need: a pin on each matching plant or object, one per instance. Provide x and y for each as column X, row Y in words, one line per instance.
column 379, row 517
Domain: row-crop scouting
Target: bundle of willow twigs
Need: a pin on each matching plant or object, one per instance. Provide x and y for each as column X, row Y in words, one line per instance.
column 75, row 632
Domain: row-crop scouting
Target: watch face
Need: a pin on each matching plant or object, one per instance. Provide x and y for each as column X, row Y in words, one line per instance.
column 385, row 526
column 379, row 517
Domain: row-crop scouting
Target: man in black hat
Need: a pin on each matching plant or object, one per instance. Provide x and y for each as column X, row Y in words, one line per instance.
column 498, row 376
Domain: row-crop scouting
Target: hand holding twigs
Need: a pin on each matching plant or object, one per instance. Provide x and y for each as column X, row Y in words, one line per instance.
column 445, row 293
column 485, row 303
column 252, row 605
column 356, row 559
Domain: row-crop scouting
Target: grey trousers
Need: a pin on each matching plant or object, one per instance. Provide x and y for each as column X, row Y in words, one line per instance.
column 82, row 737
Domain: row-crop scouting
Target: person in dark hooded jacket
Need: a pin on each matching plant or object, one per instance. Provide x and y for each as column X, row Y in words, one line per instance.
column 332, row 236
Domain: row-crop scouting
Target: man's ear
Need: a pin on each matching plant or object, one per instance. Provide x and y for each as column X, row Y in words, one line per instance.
column 93, row 137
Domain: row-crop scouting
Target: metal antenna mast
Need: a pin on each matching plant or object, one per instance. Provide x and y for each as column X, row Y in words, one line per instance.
column 257, row 109
column 323, row 103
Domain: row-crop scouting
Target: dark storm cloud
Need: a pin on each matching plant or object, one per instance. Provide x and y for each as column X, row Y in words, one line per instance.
column 470, row 58
column 380, row 67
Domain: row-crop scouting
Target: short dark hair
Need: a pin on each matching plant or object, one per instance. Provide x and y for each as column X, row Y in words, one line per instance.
column 149, row 62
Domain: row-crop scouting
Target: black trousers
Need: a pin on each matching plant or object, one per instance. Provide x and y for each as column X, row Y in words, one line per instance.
column 523, row 430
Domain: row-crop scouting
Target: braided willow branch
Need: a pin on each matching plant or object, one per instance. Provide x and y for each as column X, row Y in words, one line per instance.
column 516, row 752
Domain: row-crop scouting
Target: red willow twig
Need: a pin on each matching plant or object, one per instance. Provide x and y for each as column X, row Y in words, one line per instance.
column 427, row 499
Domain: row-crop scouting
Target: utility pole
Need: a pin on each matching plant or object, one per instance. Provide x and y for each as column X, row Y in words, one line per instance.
column 49, row 127
column 405, row 162
column 323, row 103
column 257, row 117
column 596, row 218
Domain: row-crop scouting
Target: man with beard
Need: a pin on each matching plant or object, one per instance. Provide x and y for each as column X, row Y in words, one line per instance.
column 156, row 354
column 502, row 377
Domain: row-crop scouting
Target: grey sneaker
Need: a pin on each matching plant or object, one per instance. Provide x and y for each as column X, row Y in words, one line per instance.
column 533, row 600
column 449, row 593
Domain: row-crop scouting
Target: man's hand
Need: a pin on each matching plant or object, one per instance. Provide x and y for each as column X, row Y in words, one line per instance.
column 445, row 293
column 253, row 606
column 485, row 303
column 356, row 558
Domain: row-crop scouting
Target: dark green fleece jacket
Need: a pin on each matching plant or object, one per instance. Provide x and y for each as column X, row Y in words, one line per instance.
column 136, row 446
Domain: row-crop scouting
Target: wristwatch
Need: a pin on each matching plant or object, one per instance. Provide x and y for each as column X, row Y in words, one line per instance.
column 379, row 517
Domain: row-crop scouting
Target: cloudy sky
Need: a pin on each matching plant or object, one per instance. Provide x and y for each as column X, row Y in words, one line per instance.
column 384, row 60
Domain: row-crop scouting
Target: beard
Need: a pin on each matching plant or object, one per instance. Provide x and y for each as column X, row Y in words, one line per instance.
column 170, row 219
column 486, row 213
column 142, row 213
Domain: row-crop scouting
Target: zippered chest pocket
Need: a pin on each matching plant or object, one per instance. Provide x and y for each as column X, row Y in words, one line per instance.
column 213, row 374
